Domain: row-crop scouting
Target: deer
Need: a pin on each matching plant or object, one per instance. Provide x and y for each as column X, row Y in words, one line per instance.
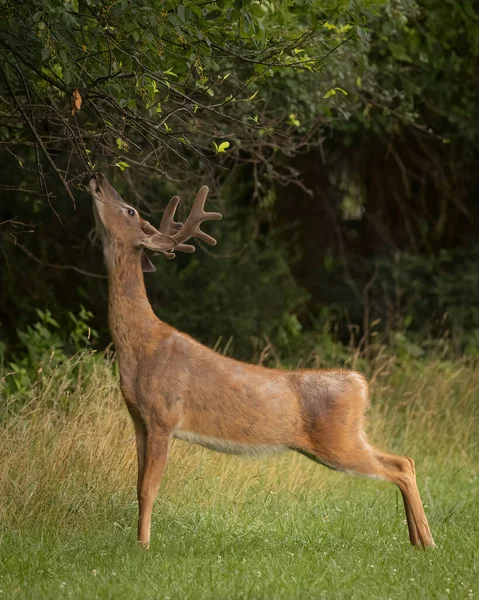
column 175, row 387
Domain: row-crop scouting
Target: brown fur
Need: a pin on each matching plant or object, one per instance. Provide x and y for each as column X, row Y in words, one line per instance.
column 173, row 385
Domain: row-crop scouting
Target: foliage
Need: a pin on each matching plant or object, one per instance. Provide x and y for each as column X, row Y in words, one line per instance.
column 157, row 84
column 45, row 352
column 427, row 65
column 438, row 296
column 336, row 138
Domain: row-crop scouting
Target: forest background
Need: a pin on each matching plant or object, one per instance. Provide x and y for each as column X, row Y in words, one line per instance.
column 339, row 139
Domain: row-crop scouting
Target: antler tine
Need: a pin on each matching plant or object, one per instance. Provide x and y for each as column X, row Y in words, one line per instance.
column 169, row 226
column 197, row 215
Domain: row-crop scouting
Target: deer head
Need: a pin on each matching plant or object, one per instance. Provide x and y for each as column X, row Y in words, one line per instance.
column 123, row 230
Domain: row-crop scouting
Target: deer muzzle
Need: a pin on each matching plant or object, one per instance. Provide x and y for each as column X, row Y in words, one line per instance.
column 94, row 184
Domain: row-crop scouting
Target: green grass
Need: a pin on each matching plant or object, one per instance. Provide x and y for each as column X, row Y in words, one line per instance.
column 227, row 527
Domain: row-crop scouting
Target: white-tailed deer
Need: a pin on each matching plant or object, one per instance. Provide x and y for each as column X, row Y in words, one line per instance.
column 176, row 388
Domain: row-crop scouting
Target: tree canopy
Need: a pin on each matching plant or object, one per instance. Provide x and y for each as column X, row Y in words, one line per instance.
column 338, row 137
column 165, row 86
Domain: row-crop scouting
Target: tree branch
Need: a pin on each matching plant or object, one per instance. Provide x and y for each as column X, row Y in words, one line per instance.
column 38, row 139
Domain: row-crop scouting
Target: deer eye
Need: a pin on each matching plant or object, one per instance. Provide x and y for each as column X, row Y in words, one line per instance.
column 131, row 212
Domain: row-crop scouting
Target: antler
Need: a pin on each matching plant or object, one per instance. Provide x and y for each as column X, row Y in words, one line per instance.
column 169, row 226
column 191, row 228
column 197, row 215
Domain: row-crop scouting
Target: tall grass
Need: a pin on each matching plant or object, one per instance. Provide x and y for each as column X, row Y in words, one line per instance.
column 68, row 471
column 65, row 451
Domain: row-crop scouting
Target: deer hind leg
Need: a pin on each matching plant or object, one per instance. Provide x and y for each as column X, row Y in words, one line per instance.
column 401, row 471
column 362, row 459
column 335, row 438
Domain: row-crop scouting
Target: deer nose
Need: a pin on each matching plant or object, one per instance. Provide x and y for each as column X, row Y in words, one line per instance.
column 95, row 182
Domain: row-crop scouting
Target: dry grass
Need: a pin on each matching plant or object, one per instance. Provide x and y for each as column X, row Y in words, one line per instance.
column 66, row 449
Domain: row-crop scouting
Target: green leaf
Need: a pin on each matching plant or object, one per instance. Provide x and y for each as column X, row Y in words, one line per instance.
column 398, row 51
column 212, row 15
column 197, row 11
column 329, row 93
column 292, row 120
column 222, row 147
column 183, row 13
column 170, row 72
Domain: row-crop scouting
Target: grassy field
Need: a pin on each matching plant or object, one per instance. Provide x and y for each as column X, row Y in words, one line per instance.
column 227, row 527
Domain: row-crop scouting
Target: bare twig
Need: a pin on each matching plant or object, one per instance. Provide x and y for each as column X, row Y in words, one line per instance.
column 39, row 140
column 14, row 188
column 55, row 266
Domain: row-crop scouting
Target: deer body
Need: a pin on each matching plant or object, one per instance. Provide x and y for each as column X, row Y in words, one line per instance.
column 176, row 387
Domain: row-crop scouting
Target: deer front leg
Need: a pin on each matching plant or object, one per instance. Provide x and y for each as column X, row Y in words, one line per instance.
column 156, row 452
column 140, row 435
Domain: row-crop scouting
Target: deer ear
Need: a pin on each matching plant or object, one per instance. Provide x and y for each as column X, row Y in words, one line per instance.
column 146, row 264
column 158, row 242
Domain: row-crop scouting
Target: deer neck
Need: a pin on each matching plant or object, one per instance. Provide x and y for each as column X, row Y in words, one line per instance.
column 130, row 315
